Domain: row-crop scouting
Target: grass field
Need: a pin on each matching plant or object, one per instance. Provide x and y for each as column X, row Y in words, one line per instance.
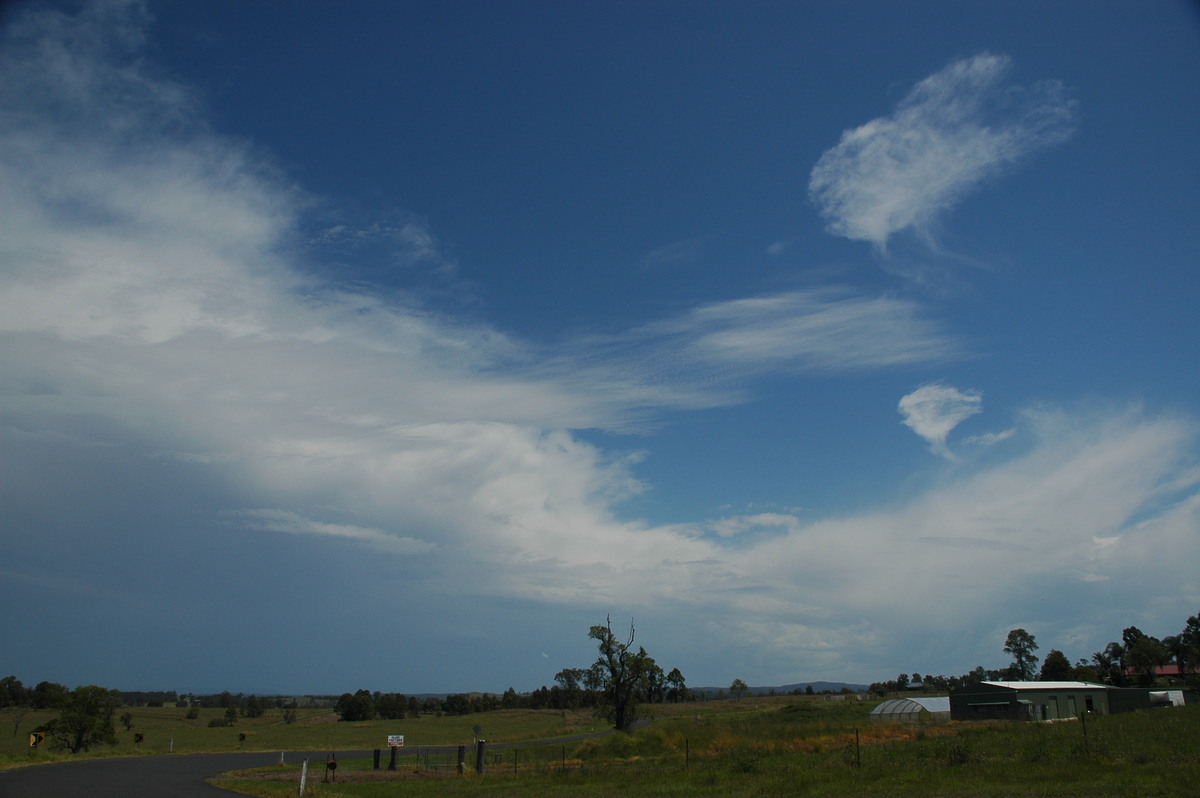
column 166, row 729
column 760, row 746
column 800, row 747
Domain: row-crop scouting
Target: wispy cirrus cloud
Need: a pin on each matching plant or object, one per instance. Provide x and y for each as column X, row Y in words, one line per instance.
column 293, row 523
column 933, row 411
column 403, row 242
column 149, row 290
column 1088, row 470
column 954, row 130
column 155, row 337
column 674, row 255
column 829, row 329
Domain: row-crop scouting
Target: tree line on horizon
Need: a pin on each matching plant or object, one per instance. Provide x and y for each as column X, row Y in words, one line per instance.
column 617, row 682
column 1135, row 661
column 615, row 685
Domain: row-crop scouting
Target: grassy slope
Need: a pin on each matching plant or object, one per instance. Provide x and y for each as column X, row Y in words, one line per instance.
column 760, row 746
column 314, row 730
column 797, row 747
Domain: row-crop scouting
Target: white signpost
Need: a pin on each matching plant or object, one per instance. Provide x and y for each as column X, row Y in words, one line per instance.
column 395, row 741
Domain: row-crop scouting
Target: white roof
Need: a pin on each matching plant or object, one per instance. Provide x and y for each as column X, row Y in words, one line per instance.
column 1049, row 685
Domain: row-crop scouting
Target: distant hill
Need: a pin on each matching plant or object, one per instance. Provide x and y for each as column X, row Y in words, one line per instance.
column 818, row 687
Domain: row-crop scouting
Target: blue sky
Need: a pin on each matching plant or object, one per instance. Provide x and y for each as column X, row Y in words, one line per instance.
column 391, row 345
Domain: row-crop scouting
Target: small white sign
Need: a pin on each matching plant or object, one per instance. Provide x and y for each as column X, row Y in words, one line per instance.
column 395, row 741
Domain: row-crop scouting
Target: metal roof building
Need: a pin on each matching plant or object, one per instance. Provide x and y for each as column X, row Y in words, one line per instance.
column 912, row 709
column 1029, row 700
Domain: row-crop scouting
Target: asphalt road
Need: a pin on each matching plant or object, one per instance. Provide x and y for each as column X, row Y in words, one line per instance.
column 172, row 776
column 179, row 775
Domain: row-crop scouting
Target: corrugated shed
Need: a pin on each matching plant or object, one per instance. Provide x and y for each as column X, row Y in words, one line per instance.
column 906, row 709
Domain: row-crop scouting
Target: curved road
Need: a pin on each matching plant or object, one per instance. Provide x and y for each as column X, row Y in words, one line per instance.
column 180, row 775
column 174, row 775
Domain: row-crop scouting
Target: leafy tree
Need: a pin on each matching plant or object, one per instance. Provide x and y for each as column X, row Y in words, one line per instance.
column 676, row 686
column 1085, row 671
column 391, row 706
column 1190, row 638
column 1020, row 645
column 653, row 686
column 1056, row 668
column 13, row 693
column 48, row 695
column 1185, row 650
column 357, row 707
column 738, row 688
column 570, row 682
column 618, row 673
column 85, row 719
column 456, row 704
column 1108, row 664
column 127, row 720
column 254, row 707
column 1143, row 654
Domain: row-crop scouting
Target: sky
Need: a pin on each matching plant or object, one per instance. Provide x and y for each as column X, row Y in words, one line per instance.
column 391, row 345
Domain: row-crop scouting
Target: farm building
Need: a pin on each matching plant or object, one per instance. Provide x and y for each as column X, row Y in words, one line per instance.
column 1055, row 700
column 1028, row 700
column 901, row 710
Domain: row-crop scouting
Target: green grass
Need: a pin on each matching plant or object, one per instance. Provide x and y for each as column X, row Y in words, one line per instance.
column 798, row 747
column 760, row 746
column 164, row 727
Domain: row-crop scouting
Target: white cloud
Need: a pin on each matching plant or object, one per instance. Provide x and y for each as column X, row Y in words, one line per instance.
column 955, row 129
column 933, row 411
column 295, row 524
column 146, row 310
column 991, row 438
column 402, row 242
column 827, row 329
column 675, row 255
column 1097, row 488
column 144, row 290
column 740, row 525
